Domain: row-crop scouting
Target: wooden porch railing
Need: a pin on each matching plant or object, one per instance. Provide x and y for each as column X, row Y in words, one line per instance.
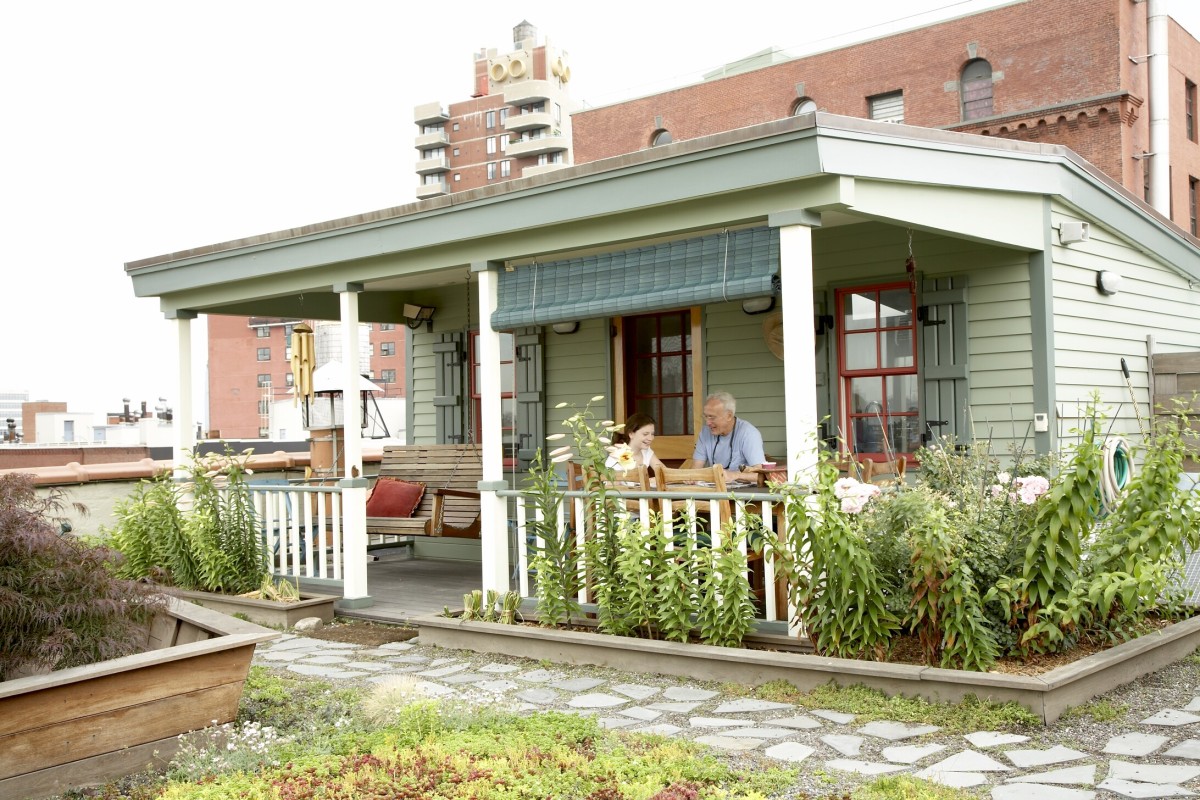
column 764, row 506
column 302, row 528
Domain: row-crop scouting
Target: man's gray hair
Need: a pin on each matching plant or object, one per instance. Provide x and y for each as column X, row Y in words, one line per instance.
column 726, row 400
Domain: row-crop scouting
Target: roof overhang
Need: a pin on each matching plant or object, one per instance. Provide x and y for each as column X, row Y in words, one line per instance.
column 848, row 169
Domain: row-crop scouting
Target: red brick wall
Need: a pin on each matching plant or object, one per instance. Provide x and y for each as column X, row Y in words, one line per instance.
column 29, row 412
column 1049, row 56
column 30, row 457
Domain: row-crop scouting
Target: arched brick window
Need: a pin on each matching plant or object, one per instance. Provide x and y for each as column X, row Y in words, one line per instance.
column 976, row 89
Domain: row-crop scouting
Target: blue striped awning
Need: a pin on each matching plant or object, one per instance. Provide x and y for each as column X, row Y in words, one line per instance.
column 732, row 265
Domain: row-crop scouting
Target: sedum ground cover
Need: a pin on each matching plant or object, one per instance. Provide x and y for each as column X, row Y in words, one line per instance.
column 299, row 738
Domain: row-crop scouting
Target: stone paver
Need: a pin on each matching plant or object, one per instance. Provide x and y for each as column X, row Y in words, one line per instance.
column 1135, row 744
column 616, row 722
column 577, row 684
column 674, row 708
column 1151, row 773
column 1084, row 776
column 798, row 723
column 540, row 696
column 793, row 752
column 1188, row 748
column 688, row 694
column 498, row 669
column 719, row 722
column 970, row 761
column 984, row 739
column 598, row 700
column 1058, row 754
column 1171, row 718
column 1143, row 790
column 911, row 753
column 1034, row 791
column 727, row 743
column 745, row 705
column 845, row 744
column 863, row 767
column 759, row 733
column 539, row 676
column 636, row 691
column 957, row 780
column 644, row 714
column 839, row 717
column 498, row 686
column 896, row 731
column 326, row 660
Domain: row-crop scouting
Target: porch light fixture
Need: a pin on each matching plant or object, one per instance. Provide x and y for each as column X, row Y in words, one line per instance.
column 415, row 315
column 1108, row 282
column 565, row 327
column 758, row 305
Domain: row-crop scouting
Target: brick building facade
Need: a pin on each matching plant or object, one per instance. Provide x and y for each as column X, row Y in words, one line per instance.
column 1071, row 72
column 516, row 123
column 249, row 367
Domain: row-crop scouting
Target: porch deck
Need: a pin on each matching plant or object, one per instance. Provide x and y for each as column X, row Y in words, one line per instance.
column 403, row 587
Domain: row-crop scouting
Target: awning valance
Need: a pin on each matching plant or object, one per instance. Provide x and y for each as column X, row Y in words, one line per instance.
column 731, row 265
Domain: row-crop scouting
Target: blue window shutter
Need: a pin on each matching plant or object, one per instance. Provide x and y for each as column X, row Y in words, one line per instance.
column 944, row 369
column 449, row 397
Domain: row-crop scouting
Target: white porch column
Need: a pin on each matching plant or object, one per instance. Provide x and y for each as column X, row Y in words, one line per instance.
column 493, row 510
column 799, row 345
column 352, row 483
column 185, row 430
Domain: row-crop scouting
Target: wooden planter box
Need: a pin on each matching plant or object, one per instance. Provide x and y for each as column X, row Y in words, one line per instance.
column 270, row 613
column 91, row 724
column 1048, row 695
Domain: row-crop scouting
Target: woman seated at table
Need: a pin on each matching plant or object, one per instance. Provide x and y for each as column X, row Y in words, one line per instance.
column 638, row 435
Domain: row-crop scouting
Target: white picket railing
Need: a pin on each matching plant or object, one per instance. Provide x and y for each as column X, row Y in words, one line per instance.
column 763, row 506
column 302, row 528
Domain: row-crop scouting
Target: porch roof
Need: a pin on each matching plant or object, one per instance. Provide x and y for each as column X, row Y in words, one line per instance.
column 846, row 169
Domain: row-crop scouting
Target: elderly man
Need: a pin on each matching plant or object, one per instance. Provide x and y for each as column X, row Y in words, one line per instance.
column 726, row 440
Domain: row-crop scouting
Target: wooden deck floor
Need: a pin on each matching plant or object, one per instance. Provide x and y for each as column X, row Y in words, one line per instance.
column 403, row 587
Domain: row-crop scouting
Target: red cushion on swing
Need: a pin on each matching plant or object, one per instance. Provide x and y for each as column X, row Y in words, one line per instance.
column 395, row 498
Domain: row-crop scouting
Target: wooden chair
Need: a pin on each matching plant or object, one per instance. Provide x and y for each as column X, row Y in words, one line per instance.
column 892, row 472
column 450, row 505
column 857, row 468
column 703, row 480
column 637, row 479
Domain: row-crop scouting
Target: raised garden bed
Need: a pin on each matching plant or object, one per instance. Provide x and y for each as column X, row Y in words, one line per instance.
column 1047, row 695
column 91, row 724
column 271, row 613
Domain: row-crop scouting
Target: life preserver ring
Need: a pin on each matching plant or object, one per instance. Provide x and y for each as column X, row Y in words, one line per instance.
column 498, row 72
column 516, row 68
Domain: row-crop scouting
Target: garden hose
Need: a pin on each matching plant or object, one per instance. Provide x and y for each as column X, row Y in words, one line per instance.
column 1116, row 473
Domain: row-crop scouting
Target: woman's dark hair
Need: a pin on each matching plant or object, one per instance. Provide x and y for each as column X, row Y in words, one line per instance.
column 636, row 421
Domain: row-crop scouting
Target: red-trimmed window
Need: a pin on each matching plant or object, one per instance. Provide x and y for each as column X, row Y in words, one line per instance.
column 877, row 369
column 508, row 411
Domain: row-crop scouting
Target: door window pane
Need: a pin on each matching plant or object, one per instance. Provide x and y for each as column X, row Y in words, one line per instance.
column 860, row 312
column 897, row 348
column 672, row 375
column 861, row 351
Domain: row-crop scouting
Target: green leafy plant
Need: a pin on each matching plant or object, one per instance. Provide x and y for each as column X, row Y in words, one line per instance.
column 554, row 560
column 724, row 607
column 60, row 604
column 835, row 585
column 216, row 546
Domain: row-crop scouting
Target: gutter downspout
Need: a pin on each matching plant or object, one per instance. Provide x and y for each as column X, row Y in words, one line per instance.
column 1160, row 112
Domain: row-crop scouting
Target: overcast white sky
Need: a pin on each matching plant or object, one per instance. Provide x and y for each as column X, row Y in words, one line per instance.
column 133, row 129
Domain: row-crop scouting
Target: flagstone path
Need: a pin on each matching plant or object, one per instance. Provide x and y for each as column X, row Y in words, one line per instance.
column 1151, row 757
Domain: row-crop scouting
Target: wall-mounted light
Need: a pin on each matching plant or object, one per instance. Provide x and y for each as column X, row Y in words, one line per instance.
column 1108, row 282
column 565, row 327
column 1071, row 232
column 758, row 305
column 414, row 315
